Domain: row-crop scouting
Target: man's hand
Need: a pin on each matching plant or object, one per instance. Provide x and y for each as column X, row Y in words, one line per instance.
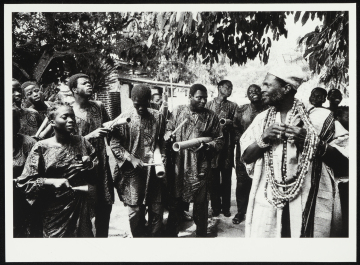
column 275, row 131
column 295, row 133
column 99, row 132
column 168, row 136
column 57, row 183
column 136, row 162
column 202, row 147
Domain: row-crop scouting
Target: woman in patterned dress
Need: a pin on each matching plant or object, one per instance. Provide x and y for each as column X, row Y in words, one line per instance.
column 53, row 167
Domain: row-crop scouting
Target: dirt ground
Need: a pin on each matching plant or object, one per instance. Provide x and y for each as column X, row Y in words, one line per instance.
column 220, row 226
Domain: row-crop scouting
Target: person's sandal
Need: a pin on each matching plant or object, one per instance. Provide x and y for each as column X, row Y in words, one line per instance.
column 238, row 218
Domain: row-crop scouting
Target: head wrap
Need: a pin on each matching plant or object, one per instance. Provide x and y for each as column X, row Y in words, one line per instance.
column 196, row 87
column 72, row 83
column 141, row 92
column 292, row 74
column 28, row 83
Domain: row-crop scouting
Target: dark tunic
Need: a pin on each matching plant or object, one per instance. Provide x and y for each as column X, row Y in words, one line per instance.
column 225, row 110
column 65, row 212
column 89, row 121
column 139, row 138
column 30, row 121
column 43, row 113
column 192, row 170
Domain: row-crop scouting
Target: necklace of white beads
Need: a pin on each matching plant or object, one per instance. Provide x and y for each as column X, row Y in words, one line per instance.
column 285, row 192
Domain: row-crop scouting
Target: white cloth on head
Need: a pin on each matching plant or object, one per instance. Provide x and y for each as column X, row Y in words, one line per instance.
column 292, row 74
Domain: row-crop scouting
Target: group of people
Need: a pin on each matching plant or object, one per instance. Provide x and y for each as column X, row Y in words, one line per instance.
column 287, row 159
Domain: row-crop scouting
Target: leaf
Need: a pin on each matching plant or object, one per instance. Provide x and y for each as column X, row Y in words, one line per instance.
column 307, row 36
column 296, row 17
column 312, row 63
column 305, row 18
column 308, row 51
column 313, row 15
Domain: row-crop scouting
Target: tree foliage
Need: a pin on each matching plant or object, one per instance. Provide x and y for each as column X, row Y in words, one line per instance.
column 239, row 35
column 327, row 47
column 38, row 38
column 155, row 40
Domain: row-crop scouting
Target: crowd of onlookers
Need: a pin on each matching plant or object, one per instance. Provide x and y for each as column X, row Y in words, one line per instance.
column 62, row 176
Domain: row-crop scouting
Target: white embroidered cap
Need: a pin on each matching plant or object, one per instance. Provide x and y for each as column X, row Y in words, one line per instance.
column 292, row 74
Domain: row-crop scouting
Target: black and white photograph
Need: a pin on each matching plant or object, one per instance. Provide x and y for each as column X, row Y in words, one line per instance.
column 134, row 125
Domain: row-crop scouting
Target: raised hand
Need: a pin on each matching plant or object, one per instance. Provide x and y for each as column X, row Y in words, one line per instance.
column 99, row 132
column 136, row 162
column 273, row 132
column 296, row 134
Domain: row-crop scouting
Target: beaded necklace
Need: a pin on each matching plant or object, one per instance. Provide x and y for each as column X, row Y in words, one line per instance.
column 282, row 192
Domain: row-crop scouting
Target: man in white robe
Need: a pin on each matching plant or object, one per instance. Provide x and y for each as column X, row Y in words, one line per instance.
column 315, row 210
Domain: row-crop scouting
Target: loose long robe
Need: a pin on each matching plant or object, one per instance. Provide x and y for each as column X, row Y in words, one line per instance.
column 262, row 218
column 139, row 138
column 225, row 110
column 192, row 169
column 65, row 212
column 22, row 209
column 86, row 122
column 244, row 116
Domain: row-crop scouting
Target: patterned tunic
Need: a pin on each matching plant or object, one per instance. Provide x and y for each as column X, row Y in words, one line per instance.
column 192, row 169
column 26, row 143
column 139, row 137
column 88, row 121
column 225, row 110
column 30, row 121
column 65, row 211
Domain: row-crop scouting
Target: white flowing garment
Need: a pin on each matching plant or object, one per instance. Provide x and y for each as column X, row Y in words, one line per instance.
column 262, row 218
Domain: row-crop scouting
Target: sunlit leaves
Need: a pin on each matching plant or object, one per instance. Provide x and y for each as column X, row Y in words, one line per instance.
column 327, row 48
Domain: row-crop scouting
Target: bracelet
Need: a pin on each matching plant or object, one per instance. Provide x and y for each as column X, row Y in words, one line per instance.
column 261, row 142
column 40, row 182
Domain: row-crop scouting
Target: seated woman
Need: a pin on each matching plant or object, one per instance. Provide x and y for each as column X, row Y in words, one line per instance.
column 22, row 145
column 53, row 168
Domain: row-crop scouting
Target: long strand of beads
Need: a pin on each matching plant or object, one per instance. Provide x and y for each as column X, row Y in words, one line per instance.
column 310, row 145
